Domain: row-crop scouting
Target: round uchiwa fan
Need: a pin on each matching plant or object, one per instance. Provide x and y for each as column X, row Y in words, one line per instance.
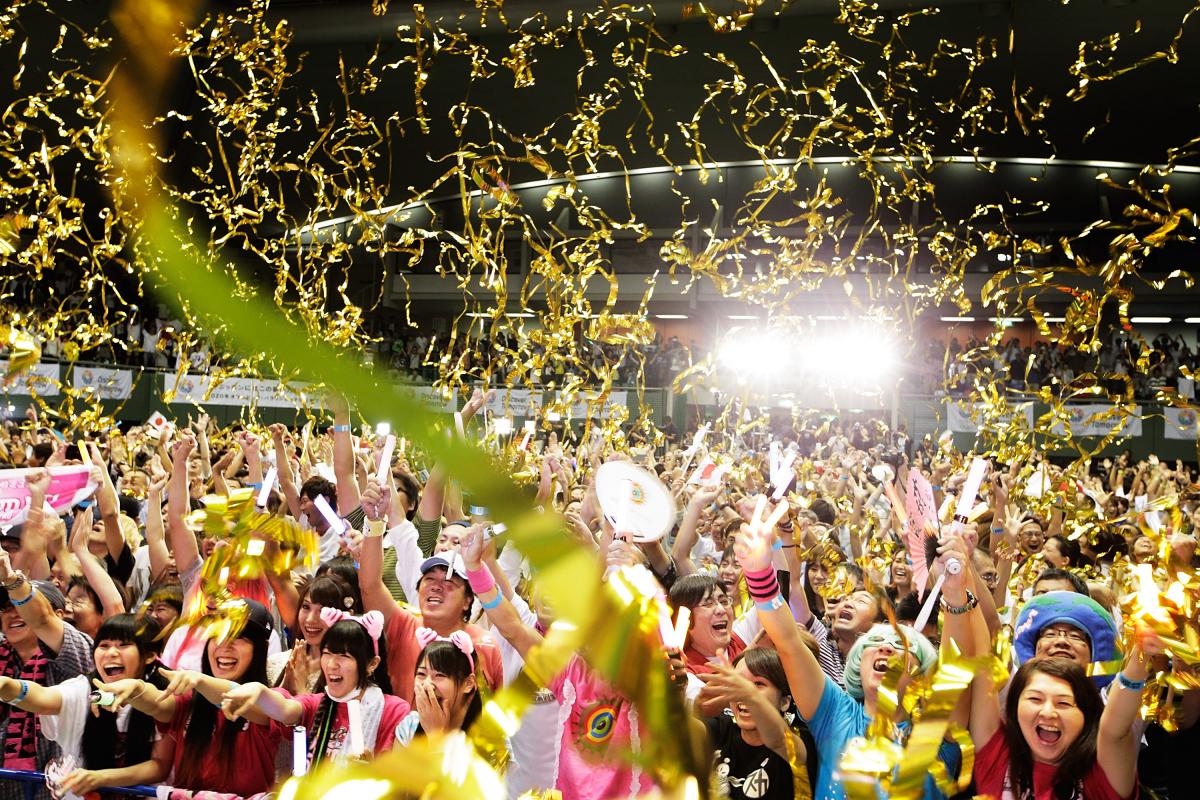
column 634, row 501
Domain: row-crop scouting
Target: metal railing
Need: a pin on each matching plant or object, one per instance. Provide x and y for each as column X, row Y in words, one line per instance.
column 34, row 780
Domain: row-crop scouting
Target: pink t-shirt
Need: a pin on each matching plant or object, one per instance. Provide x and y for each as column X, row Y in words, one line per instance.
column 599, row 724
column 394, row 710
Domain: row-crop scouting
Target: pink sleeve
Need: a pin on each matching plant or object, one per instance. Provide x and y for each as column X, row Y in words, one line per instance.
column 394, row 710
column 310, row 703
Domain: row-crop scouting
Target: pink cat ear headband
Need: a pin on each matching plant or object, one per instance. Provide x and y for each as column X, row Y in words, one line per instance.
column 372, row 622
column 460, row 639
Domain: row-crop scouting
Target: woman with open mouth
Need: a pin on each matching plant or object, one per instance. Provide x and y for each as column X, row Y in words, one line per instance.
column 446, row 693
column 211, row 751
column 111, row 749
column 352, row 673
column 1055, row 736
column 299, row 670
column 752, row 739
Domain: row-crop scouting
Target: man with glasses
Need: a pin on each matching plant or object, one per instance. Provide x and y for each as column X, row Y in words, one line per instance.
column 1066, row 625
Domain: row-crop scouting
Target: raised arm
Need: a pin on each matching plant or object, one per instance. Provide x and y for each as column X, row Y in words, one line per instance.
column 376, row 503
column 283, row 466
column 93, row 571
column 156, row 537
column 434, row 492
column 805, row 678
column 1116, row 745
column 689, row 528
column 34, row 609
column 500, row 612
column 211, row 689
column 343, row 456
column 110, row 510
column 183, row 541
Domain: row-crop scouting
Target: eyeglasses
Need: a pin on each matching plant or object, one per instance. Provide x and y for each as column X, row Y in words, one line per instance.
column 1070, row 634
column 712, row 602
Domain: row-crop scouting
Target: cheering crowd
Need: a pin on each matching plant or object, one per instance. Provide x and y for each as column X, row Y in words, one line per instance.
column 414, row 615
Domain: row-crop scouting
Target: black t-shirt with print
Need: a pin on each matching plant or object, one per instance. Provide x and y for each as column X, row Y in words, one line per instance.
column 743, row 770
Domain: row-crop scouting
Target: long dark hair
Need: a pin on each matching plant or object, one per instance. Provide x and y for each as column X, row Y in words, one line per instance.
column 202, row 723
column 347, row 638
column 99, row 742
column 446, row 658
column 1081, row 755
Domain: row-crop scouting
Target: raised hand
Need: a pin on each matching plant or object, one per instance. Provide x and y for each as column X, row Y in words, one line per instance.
column 376, row 500
column 470, row 547
column 754, row 540
column 181, row 681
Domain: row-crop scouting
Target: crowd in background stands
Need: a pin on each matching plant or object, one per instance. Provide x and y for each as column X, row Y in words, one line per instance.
column 1168, row 362
column 412, row 354
column 414, row 617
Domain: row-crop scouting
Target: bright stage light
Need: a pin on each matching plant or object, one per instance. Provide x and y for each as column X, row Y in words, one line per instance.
column 857, row 356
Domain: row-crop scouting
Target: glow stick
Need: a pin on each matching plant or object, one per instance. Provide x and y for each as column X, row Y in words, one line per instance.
column 458, row 424
column 267, row 485
column 331, row 518
column 354, row 713
column 299, row 751
column 525, row 439
column 927, row 609
column 83, row 453
column 385, row 459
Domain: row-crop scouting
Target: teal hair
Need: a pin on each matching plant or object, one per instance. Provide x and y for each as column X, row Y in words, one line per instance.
column 884, row 633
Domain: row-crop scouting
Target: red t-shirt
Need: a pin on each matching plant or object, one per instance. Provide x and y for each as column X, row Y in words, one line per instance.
column 394, row 710
column 251, row 772
column 403, row 652
column 697, row 662
column 991, row 774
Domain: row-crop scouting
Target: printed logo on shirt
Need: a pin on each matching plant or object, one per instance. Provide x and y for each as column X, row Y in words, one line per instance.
column 756, row 784
column 595, row 724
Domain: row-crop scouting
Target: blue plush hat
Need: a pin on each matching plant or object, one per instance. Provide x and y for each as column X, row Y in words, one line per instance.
column 884, row 633
column 1074, row 609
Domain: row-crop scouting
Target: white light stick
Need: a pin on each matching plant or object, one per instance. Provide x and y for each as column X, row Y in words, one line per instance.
column 267, row 485
column 299, row 751
column 331, row 518
column 458, row 424
column 385, row 458
column 354, row 713
column 383, row 429
column 966, row 501
column 782, row 474
column 525, row 439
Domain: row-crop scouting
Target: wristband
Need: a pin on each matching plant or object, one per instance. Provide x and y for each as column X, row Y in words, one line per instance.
column 17, row 602
column 763, row 584
column 341, row 428
column 998, row 530
column 375, row 528
column 1133, row 686
column 20, row 695
column 481, row 581
column 936, row 488
column 778, row 545
column 770, row 605
column 493, row 604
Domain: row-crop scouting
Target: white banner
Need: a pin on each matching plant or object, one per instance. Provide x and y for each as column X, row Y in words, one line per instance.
column 1180, row 423
column 202, row 390
column 42, row 378
column 586, row 405
column 958, row 416
column 515, row 403
column 1097, row 419
column 108, row 384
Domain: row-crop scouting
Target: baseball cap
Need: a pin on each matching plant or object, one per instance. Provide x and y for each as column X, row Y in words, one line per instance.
column 259, row 622
column 11, row 533
column 451, row 561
